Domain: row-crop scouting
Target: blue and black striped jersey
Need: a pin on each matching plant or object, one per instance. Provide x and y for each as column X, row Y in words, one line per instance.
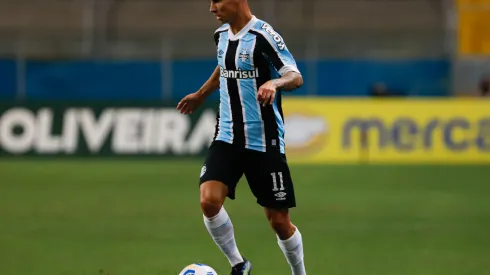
column 247, row 60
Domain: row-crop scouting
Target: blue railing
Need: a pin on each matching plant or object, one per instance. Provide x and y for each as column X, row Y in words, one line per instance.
column 147, row 80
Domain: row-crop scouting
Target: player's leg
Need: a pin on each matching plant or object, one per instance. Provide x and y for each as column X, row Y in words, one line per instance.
column 270, row 180
column 280, row 222
column 219, row 176
column 212, row 196
column 289, row 238
column 217, row 221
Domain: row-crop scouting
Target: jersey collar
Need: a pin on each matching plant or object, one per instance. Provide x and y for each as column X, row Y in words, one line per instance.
column 243, row 31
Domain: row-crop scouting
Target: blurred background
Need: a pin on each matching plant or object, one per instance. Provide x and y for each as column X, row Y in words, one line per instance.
column 388, row 139
column 344, row 48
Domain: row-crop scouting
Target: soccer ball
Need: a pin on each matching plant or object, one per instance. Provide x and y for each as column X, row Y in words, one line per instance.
column 198, row 269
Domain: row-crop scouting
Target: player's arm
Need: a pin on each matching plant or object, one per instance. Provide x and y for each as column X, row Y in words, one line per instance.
column 191, row 102
column 211, row 85
column 213, row 82
column 274, row 49
column 289, row 81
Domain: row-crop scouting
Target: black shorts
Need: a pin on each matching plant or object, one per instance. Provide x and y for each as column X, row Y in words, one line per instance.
column 267, row 173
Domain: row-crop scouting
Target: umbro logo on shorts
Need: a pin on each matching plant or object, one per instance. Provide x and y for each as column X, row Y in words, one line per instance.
column 280, row 196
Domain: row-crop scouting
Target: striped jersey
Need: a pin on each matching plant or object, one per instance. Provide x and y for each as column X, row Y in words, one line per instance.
column 247, row 60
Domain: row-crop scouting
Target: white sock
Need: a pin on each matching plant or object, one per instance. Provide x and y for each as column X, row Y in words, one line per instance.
column 293, row 250
column 221, row 229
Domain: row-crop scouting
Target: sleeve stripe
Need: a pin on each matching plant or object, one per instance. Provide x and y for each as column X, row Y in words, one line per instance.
column 289, row 68
column 276, row 56
column 217, row 34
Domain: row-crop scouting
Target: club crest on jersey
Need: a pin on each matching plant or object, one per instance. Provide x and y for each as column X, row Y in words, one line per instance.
column 239, row 74
column 244, row 55
column 277, row 38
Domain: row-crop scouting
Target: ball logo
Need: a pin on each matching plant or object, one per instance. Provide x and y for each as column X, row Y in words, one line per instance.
column 198, row 269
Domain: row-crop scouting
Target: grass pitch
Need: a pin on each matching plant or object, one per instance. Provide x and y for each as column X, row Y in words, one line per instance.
column 143, row 217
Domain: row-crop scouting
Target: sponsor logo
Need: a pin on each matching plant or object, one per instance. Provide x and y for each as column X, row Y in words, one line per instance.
column 281, row 196
column 305, row 132
column 239, row 74
column 121, row 131
column 220, row 53
column 406, row 134
column 275, row 36
column 391, row 131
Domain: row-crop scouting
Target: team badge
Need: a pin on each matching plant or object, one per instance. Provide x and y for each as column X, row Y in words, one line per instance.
column 244, row 55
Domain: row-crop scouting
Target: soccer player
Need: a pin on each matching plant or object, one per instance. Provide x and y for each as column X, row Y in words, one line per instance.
column 254, row 67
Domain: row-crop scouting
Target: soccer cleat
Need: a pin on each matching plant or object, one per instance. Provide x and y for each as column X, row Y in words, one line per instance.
column 243, row 268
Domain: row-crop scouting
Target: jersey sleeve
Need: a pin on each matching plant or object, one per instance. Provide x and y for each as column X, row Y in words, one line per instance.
column 216, row 38
column 218, row 33
column 275, row 50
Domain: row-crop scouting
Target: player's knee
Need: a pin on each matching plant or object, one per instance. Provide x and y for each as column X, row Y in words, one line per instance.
column 210, row 208
column 212, row 198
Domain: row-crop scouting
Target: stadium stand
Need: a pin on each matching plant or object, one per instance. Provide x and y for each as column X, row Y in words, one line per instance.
column 367, row 40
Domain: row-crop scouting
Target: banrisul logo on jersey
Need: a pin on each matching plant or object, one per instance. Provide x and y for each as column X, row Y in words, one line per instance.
column 239, row 74
column 277, row 38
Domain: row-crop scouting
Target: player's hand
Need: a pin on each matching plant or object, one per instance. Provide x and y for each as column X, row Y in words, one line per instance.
column 190, row 103
column 267, row 93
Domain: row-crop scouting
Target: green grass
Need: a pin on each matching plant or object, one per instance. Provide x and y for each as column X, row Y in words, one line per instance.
column 143, row 217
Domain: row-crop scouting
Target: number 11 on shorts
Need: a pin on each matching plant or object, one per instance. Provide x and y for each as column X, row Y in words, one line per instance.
column 274, row 181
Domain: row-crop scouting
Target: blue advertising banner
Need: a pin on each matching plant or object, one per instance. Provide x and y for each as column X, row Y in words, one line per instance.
column 147, row 80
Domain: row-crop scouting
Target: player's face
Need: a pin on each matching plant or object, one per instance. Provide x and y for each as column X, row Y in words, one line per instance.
column 224, row 10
